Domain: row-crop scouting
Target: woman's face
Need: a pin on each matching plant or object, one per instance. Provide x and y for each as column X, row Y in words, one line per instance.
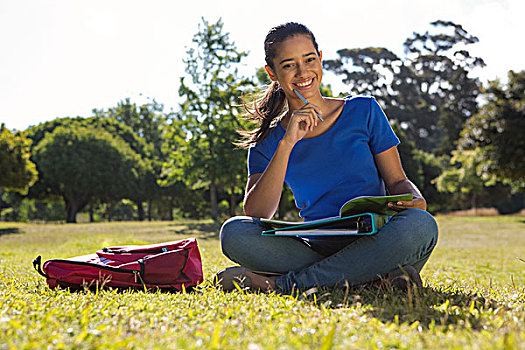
column 297, row 66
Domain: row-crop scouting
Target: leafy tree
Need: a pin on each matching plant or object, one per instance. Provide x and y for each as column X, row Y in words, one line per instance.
column 366, row 70
column 497, row 130
column 428, row 91
column 462, row 178
column 205, row 158
column 83, row 163
column 262, row 76
column 18, row 172
column 441, row 65
column 148, row 123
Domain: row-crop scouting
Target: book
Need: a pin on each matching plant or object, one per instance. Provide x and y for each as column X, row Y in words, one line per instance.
column 360, row 215
column 373, row 204
column 361, row 224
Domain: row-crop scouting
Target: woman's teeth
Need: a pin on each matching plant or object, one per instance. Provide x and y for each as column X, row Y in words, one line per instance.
column 305, row 83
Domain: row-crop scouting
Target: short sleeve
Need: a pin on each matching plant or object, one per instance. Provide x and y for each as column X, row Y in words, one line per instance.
column 382, row 137
column 257, row 161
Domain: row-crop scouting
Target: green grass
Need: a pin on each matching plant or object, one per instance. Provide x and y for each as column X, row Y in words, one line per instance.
column 474, row 297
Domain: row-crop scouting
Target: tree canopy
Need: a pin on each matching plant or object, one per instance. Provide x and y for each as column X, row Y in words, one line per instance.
column 84, row 163
column 205, row 157
column 429, row 91
column 498, row 130
column 18, row 172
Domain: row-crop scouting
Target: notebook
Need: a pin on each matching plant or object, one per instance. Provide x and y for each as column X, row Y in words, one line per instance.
column 363, row 215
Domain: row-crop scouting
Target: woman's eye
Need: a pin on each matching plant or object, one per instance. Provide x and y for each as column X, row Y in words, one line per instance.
column 286, row 66
column 311, row 59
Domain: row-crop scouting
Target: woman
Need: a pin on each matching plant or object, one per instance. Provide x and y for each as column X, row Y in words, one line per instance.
column 327, row 151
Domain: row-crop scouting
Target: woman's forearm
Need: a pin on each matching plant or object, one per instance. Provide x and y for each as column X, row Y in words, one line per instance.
column 262, row 198
column 405, row 186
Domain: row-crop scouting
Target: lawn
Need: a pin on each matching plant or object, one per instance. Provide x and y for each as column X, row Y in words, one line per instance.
column 474, row 297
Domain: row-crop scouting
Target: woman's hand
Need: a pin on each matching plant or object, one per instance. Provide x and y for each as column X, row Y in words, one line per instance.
column 416, row 203
column 301, row 121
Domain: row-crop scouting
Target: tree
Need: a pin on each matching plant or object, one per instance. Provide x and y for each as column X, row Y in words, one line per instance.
column 366, row 70
column 84, row 163
column 462, row 177
column 18, row 172
column 497, row 130
column 148, row 123
column 441, row 65
column 429, row 91
column 205, row 158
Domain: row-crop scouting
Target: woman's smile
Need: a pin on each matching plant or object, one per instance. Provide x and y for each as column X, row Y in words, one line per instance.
column 304, row 84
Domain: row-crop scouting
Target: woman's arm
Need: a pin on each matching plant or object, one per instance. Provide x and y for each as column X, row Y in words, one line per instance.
column 263, row 191
column 396, row 181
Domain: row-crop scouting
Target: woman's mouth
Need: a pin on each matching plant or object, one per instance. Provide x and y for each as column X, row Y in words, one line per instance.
column 305, row 83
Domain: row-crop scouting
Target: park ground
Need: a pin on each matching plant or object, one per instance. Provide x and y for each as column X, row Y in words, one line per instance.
column 474, row 297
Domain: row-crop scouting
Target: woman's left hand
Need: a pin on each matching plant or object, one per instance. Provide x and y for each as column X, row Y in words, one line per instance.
column 416, row 203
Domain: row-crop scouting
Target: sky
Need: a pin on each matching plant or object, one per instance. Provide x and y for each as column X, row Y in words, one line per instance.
column 63, row 58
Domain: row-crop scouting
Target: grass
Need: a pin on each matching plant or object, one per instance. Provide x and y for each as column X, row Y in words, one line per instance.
column 474, row 297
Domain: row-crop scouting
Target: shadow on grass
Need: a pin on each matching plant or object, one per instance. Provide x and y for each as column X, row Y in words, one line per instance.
column 9, row 231
column 425, row 307
column 209, row 230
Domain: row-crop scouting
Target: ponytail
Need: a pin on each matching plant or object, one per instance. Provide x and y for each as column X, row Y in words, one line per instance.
column 265, row 110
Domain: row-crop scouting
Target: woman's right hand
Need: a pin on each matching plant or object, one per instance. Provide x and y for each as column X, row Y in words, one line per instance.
column 301, row 121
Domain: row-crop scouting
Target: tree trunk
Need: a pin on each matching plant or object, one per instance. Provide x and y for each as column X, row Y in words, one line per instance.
column 170, row 209
column 150, row 209
column 213, row 201
column 109, row 211
column 71, row 210
column 140, row 210
column 233, row 202
column 91, row 216
column 281, row 206
column 74, row 203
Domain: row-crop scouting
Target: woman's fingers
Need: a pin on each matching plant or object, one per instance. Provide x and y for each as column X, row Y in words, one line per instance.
column 301, row 121
column 306, row 114
column 418, row 203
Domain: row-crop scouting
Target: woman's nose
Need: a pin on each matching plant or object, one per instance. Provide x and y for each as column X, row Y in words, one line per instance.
column 299, row 71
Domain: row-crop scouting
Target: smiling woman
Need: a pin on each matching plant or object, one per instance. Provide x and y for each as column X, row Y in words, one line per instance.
column 327, row 150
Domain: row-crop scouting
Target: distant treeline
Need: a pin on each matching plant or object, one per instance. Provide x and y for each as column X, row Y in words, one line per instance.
column 462, row 143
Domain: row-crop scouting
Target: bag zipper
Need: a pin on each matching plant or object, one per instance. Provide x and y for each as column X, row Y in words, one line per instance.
column 118, row 251
column 104, row 267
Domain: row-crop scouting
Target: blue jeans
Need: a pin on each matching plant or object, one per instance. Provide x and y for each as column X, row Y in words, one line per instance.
column 407, row 239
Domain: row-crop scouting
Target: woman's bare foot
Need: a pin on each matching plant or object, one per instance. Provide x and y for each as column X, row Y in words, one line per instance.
column 261, row 282
column 232, row 278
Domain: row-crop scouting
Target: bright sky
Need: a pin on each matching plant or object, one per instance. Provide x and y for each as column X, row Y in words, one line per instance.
column 65, row 57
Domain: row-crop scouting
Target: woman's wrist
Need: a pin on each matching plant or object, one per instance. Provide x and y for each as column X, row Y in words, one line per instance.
column 286, row 145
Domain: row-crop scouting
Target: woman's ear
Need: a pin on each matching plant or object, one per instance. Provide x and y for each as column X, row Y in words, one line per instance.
column 270, row 73
column 321, row 56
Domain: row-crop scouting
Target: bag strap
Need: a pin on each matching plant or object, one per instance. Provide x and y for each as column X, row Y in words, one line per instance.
column 37, row 264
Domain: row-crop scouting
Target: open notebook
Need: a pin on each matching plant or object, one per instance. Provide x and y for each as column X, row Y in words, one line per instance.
column 359, row 216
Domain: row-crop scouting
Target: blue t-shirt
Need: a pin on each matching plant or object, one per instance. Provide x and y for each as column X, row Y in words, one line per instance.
column 326, row 171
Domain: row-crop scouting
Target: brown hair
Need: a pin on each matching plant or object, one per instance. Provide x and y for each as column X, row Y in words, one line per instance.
column 272, row 103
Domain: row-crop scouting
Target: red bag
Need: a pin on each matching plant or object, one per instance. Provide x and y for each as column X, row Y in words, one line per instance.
column 168, row 266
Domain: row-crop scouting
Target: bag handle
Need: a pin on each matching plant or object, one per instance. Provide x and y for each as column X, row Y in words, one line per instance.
column 37, row 264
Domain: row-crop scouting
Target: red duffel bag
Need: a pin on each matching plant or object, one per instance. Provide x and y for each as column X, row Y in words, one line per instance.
column 169, row 266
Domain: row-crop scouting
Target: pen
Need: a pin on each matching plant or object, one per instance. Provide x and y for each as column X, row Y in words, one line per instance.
column 305, row 101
